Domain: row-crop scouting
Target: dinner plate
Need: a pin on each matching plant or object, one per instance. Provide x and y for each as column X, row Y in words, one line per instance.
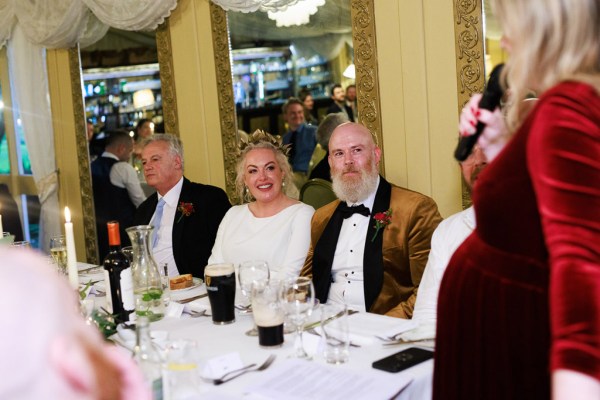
column 196, row 282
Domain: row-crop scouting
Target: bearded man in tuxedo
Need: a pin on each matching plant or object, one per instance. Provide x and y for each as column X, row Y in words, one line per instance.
column 369, row 248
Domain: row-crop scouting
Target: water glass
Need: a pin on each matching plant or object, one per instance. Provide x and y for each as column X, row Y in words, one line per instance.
column 58, row 251
column 182, row 372
column 298, row 303
column 334, row 326
column 22, row 244
column 128, row 251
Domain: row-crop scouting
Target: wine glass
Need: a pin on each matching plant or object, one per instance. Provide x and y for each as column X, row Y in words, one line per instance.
column 250, row 273
column 58, row 251
column 298, row 303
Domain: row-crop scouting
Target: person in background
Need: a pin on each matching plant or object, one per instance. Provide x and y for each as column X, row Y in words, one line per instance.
column 301, row 138
column 48, row 351
column 185, row 215
column 449, row 234
column 143, row 130
column 351, row 100
column 95, row 145
column 117, row 190
column 309, row 103
column 339, row 102
column 369, row 248
column 321, row 169
column 519, row 304
column 271, row 226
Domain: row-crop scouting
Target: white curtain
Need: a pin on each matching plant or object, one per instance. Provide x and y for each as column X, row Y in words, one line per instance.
column 27, row 28
column 29, row 90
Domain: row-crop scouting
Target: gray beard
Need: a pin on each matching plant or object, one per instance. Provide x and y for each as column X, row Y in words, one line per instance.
column 354, row 190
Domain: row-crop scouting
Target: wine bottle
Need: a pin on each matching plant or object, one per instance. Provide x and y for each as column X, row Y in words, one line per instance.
column 120, row 300
column 148, row 358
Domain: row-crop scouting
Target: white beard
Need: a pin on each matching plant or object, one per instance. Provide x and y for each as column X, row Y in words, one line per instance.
column 355, row 189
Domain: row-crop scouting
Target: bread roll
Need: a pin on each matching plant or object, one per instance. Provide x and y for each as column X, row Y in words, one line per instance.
column 181, row 282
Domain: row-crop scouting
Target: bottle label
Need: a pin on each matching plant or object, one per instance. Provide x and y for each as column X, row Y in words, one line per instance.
column 127, row 296
column 109, row 305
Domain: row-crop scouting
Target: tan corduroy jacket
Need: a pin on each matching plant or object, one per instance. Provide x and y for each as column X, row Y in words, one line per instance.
column 406, row 243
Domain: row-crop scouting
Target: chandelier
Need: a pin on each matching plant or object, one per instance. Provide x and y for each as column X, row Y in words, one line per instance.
column 297, row 14
column 247, row 6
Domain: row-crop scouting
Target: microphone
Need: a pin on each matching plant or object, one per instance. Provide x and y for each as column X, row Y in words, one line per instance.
column 489, row 101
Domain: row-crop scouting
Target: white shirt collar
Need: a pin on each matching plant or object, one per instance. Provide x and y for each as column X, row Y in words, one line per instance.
column 172, row 196
column 108, row 154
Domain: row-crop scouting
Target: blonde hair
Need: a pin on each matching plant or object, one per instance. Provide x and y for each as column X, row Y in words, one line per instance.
column 551, row 41
column 261, row 140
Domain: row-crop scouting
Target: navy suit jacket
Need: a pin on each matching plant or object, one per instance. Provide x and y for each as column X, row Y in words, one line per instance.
column 194, row 235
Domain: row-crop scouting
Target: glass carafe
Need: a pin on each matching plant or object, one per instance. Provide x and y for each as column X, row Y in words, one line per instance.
column 147, row 284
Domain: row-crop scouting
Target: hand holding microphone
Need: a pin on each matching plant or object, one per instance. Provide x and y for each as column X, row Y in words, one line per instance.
column 481, row 121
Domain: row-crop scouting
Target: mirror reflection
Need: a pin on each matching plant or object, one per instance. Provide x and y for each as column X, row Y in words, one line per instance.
column 123, row 105
column 273, row 60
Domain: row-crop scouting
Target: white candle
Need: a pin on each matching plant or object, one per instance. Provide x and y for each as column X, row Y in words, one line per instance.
column 1, row 231
column 71, row 256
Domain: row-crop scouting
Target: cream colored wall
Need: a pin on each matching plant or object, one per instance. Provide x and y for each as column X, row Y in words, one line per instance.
column 417, row 71
column 196, row 88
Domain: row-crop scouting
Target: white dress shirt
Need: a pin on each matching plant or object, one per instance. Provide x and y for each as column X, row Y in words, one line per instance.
column 123, row 176
column 449, row 234
column 163, row 251
column 347, row 268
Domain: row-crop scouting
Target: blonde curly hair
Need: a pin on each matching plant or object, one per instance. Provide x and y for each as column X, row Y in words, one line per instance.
column 261, row 140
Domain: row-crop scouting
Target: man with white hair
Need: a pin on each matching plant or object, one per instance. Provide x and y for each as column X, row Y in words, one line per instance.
column 48, row 351
column 369, row 248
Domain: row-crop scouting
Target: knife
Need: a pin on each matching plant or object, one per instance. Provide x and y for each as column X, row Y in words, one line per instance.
column 191, row 299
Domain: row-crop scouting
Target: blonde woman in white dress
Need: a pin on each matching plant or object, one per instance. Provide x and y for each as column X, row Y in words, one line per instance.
column 270, row 226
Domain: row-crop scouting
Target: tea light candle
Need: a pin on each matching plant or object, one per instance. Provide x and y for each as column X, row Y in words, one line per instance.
column 71, row 256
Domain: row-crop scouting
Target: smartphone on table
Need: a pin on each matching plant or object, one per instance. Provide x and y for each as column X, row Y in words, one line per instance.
column 403, row 359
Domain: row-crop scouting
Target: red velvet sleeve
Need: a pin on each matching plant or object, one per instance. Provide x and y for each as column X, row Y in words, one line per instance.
column 564, row 163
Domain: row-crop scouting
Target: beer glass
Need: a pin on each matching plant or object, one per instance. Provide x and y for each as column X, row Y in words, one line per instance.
column 220, row 285
column 250, row 273
column 267, row 309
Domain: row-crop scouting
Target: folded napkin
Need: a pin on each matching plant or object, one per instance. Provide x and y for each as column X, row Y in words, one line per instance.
column 197, row 306
column 366, row 327
column 90, row 272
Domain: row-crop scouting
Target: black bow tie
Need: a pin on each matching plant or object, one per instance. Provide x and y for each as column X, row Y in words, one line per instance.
column 347, row 212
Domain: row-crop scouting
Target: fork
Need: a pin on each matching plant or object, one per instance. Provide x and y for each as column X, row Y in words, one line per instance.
column 248, row 368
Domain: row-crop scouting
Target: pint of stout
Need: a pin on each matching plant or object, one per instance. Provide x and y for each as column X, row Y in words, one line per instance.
column 268, row 313
column 220, row 285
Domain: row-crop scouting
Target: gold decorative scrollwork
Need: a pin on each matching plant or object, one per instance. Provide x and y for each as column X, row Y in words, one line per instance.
column 222, row 47
column 468, row 33
column 85, row 179
column 365, row 61
column 167, row 79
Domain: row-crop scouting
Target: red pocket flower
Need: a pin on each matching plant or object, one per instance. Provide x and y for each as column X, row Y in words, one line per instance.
column 382, row 220
column 186, row 209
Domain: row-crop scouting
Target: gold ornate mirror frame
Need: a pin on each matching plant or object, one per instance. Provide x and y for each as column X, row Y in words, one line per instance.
column 367, row 83
column 470, row 57
column 169, row 99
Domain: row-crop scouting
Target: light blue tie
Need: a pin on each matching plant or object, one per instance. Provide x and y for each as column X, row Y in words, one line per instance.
column 156, row 220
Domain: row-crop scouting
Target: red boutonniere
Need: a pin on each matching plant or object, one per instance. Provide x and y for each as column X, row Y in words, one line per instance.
column 382, row 220
column 186, row 209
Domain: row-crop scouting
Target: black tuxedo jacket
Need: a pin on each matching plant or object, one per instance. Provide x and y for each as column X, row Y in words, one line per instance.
column 194, row 235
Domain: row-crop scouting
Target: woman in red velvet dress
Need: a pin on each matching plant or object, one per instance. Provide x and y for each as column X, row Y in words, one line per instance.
column 519, row 304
